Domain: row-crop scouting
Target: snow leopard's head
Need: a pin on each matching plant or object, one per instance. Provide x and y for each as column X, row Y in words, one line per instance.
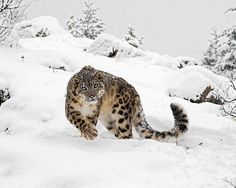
column 90, row 86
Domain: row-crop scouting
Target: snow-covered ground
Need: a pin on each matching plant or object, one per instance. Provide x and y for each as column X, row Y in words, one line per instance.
column 39, row 148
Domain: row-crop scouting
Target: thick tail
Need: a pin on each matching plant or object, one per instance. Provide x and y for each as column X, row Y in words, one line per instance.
column 180, row 126
column 181, row 118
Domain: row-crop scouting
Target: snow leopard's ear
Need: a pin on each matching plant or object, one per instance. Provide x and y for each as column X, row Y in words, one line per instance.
column 88, row 68
column 99, row 75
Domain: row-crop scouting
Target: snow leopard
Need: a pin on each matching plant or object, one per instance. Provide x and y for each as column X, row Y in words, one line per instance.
column 94, row 95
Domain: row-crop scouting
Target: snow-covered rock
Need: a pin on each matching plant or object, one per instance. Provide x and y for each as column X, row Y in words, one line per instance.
column 172, row 62
column 4, row 91
column 111, row 46
column 190, row 82
column 38, row 27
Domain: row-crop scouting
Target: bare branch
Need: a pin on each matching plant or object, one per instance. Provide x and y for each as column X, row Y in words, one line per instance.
column 230, row 10
column 227, row 112
column 228, row 96
column 229, row 182
column 232, row 84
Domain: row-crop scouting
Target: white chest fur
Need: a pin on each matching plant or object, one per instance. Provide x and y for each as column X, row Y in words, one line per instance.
column 87, row 109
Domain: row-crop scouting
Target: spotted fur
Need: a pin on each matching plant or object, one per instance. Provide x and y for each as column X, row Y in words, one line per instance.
column 93, row 94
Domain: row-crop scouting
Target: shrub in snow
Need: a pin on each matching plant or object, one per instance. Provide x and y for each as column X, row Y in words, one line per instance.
column 89, row 26
column 4, row 95
column 72, row 25
column 132, row 39
column 186, row 61
column 11, row 12
column 4, row 91
column 54, row 68
column 111, row 46
column 37, row 27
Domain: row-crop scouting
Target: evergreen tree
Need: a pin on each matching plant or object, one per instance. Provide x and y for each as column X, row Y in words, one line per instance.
column 132, row 38
column 212, row 54
column 220, row 56
column 228, row 52
column 72, row 25
column 89, row 25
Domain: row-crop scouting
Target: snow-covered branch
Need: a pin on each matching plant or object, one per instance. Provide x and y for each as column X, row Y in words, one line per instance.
column 11, row 12
column 132, row 38
column 89, row 26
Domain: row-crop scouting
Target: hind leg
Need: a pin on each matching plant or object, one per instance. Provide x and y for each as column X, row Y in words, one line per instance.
column 109, row 123
column 140, row 124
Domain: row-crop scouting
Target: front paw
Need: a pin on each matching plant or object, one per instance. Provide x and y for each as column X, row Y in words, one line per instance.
column 89, row 132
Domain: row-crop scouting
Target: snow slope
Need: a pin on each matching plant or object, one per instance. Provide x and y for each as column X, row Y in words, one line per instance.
column 40, row 149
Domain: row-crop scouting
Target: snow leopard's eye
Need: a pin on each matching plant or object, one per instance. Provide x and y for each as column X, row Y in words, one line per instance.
column 83, row 87
column 95, row 86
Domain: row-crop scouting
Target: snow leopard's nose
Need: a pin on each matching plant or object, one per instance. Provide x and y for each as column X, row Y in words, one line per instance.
column 91, row 97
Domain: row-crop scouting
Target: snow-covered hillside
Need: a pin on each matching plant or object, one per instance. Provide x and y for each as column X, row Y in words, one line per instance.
column 39, row 148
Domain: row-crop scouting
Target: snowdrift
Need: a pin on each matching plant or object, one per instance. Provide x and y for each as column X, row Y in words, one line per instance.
column 38, row 27
column 111, row 46
column 190, row 82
